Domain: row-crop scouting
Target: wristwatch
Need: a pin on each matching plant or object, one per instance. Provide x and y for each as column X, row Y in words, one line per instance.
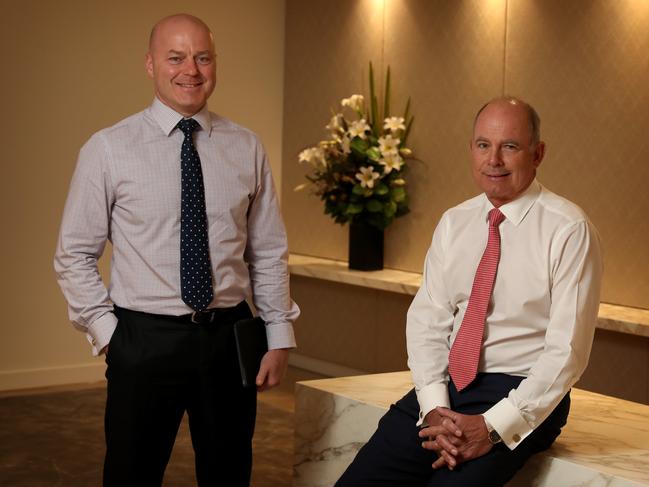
column 493, row 436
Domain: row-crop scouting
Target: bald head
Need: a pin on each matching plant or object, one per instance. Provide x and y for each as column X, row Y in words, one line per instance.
column 182, row 63
column 534, row 120
column 175, row 20
column 505, row 149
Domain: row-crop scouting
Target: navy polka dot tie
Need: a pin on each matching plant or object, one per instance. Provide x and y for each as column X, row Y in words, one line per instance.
column 195, row 268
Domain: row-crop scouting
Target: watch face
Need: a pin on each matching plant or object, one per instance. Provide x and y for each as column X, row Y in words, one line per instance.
column 494, row 437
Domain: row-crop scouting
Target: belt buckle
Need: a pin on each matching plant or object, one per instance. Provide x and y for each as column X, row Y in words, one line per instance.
column 197, row 317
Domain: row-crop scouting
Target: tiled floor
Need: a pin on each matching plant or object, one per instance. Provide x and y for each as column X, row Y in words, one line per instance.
column 54, row 437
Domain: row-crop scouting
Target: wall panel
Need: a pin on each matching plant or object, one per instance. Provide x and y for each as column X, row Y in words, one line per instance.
column 585, row 65
column 328, row 46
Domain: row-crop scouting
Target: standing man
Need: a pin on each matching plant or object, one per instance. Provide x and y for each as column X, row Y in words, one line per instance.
column 187, row 200
column 501, row 327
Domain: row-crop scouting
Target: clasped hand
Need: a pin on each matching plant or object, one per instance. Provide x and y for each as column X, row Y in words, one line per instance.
column 457, row 438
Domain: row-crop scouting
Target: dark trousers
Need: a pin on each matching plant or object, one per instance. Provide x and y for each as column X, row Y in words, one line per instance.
column 158, row 368
column 394, row 455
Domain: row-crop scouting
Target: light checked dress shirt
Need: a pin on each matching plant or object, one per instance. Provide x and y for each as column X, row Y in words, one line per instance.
column 126, row 189
column 543, row 311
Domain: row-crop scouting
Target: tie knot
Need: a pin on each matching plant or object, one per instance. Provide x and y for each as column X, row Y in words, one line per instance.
column 495, row 217
column 187, row 125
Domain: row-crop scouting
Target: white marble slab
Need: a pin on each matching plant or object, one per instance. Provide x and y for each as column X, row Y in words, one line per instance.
column 606, row 441
column 612, row 317
column 337, row 271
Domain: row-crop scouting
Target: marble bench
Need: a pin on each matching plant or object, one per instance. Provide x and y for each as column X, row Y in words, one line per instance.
column 605, row 443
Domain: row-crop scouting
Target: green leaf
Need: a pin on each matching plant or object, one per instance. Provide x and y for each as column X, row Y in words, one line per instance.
column 386, row 100
column 373, row 107
column 398, row 194
column 354, row 209
column 390, row 209
column 381, row 189
column 358, row 189
column 406, row 112
column 373, row 153
column 407, row 132
column 359, row 146
column 374, row 206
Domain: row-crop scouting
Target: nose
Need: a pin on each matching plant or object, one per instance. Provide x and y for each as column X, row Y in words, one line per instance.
column 191, row 68
column 495, row 157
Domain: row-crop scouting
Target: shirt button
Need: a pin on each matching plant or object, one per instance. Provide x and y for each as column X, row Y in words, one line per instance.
column 516, row 438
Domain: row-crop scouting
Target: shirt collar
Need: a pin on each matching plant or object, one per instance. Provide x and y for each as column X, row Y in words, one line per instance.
column 516, row 210
column 167, row 118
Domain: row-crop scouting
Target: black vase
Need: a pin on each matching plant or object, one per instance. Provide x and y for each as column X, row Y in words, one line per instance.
column 365, row 247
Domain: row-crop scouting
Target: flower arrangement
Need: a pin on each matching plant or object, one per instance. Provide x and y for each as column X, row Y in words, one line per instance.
column 359, row 171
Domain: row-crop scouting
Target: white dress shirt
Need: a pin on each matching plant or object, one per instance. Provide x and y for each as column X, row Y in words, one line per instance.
column 543, row 311
column 126, row 189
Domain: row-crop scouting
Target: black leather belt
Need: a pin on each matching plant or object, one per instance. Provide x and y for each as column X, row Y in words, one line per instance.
column 210, row 315
column 200, row 317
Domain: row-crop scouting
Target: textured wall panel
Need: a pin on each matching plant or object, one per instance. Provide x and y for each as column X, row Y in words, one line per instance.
column 448, row 56
column 585, row 65
column 328, row 46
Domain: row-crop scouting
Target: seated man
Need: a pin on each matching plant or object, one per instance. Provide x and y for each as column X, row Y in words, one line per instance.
column 501, row 327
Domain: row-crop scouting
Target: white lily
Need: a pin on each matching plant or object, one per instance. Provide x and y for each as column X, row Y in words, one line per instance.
column 358, row 129
column 334, row 124
column 391, row 161
column 345, row 144
column 388, row 145
column 367, row 176
column 355, row 102
column 313, row 156
column 394, row 123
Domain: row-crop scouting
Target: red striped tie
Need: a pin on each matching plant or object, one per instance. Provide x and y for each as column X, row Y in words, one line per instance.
column 465, row 352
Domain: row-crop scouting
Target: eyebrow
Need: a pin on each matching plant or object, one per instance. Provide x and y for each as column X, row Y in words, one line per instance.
column 511, row 141
column 182, row 53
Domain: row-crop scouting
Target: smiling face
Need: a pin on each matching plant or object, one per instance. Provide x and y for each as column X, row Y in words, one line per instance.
column 505, row 157
column 182, row 63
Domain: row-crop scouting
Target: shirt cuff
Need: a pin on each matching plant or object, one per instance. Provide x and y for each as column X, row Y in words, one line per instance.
column 100, row 332
column 430, row 397
column 506, row 419
column 280, row 335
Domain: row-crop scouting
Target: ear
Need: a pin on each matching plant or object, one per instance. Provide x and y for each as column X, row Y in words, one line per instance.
column 148, row 64
column 539, row 153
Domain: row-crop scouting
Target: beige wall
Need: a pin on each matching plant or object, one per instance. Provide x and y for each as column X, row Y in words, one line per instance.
column 71, row 68
column 584, row 65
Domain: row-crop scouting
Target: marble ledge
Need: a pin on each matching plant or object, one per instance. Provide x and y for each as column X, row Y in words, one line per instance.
column 612, row 317
column 604, row 443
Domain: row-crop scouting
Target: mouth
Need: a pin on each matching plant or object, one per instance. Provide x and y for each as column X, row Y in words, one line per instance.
column 189, row 86
column 496, row 177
